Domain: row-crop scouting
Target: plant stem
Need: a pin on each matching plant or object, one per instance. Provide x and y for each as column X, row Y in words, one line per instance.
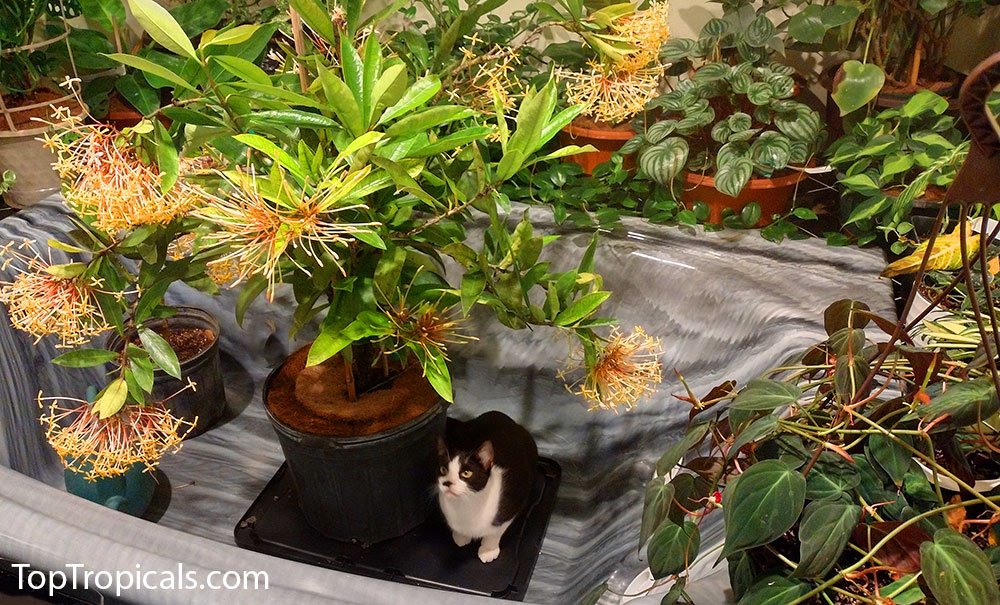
column 905, row 585
column 300, row 47
column 929, row 460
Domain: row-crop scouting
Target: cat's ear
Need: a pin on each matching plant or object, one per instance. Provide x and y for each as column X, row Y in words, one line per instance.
column 485, row 455
column 442, row 449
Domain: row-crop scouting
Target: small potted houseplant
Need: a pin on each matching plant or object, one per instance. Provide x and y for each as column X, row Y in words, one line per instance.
column 729, row 135
column 895, row 162
column 28, row 65
column 346, row 182
column 848, row 476
column 126, row 214
column 902, row 47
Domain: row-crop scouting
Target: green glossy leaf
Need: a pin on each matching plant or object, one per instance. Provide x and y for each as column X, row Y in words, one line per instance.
column 198, row 15
column 138, row 93
column 581, row 309
column 419, row 93
column 655, row 507
column 966, row 403
column 672, row 548
column 152, row 68
column 664, row 161
column 831, row 476
column 85, row 358
column 672, row 456
column 760, row 31
column 162, row 27
column 934, row 6
column 911, row 596
column 758, row 429
column 243, row 69
column 894, row 459
column 733, row 176
column 760, row 395
column 957, row 571
column 109, row 13
column 248, row 293
column 807, row 25
column 388, row 270
column 856, row 84
column 316, row 17
column 771, row 150
column 160, row 351
column 824, row 531
column 421, row 121
column 775, row 590
column 67, row 271
column 166, row 157
column 473, row 284
column 273, row 152
column 235, row 35
column 761, row 505
column 868, row 208
column 295, row 117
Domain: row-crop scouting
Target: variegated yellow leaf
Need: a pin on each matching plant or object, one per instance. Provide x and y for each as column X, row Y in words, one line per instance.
column 945, row 256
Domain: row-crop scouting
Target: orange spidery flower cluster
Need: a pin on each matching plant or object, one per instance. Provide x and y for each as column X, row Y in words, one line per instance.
column 487, row 72
column 40, row 303
column 261, row 233
column 627, row 370
column 610, row 96
column 106, row 181
column 427, row 327
column 647, row 32
column 137, row 434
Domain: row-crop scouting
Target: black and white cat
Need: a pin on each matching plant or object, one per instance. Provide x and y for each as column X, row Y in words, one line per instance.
column 487, row 474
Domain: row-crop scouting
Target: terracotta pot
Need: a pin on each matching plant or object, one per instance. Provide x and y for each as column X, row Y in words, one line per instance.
column 606, row 140
column 773, row 195
column 122, row 115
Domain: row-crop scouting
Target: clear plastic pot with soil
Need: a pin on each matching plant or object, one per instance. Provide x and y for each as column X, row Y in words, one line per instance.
column 194, row 335
column 363, row 470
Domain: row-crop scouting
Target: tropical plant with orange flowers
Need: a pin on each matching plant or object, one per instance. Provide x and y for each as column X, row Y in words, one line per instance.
column 349, row 179
column 133, row 238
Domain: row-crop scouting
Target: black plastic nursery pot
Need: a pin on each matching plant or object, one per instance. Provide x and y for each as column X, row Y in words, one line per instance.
column 207, row 401
column 364, row 489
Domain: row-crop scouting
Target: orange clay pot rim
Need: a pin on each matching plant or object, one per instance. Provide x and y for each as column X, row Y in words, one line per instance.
column 696, row 179
column 596, row 133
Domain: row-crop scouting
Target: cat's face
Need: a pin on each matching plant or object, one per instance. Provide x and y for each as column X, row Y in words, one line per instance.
column 461, row 473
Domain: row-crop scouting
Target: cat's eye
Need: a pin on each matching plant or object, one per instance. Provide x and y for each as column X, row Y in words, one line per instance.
column 466, row 474
column 443, row 470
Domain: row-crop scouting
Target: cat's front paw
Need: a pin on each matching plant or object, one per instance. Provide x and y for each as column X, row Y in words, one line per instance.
column 487, row 555
column 459, row 539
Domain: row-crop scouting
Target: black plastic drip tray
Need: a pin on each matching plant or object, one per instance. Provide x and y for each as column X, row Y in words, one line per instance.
column 425, row 556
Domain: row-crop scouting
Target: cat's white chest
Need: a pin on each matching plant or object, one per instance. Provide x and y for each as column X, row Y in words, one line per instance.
column 473, row 514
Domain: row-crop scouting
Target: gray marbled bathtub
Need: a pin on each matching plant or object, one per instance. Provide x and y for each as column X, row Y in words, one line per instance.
column 727, row 305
